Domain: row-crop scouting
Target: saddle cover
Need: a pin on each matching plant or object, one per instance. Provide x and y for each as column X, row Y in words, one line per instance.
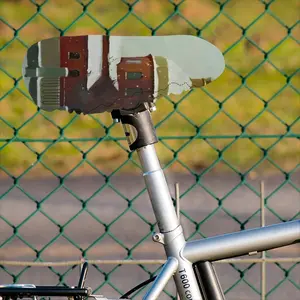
column 94, row 73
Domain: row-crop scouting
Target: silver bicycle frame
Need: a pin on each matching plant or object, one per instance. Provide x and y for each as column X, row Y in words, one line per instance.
column 181, row 254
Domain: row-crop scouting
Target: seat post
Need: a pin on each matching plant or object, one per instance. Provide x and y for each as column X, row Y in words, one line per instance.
column 141, row 137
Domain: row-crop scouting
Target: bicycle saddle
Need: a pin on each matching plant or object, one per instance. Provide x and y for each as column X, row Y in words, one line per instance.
column 94, row 73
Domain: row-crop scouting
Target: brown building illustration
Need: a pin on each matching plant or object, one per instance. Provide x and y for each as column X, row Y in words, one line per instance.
column 135, row 76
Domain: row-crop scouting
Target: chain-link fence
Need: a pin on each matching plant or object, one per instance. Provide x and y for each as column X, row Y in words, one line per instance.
column 68, row 184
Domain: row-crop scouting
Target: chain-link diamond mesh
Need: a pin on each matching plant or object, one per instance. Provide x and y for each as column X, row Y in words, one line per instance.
column 245, row 125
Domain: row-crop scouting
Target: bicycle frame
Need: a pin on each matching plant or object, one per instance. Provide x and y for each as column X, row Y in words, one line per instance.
column 181, row 254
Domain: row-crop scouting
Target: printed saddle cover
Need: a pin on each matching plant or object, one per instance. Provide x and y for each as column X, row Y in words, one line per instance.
column 95, row 73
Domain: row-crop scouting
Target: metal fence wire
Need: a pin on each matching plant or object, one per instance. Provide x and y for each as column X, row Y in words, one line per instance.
column 240, row 129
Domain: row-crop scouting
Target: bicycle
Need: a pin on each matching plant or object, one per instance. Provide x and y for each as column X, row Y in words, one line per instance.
column 126, row 79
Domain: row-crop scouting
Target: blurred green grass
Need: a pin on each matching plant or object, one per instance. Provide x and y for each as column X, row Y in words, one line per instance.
column 243, row 110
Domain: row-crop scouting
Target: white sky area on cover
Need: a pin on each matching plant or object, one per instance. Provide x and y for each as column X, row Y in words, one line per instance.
column 196, row 57
column 114, row 57
column 38, row 92
column 179, row 81
column 94, row 59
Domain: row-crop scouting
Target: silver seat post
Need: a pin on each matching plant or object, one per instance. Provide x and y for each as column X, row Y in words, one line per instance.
column 141, row 136
column 171, row 233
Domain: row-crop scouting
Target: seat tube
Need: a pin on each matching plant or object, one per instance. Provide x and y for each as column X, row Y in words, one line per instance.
column 158, row 189
column 171, row 233
column 141, row 136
